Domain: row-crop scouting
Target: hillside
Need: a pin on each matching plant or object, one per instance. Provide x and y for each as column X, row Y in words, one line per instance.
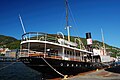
column 9, row 42
column 113, row 51
column 12, row 43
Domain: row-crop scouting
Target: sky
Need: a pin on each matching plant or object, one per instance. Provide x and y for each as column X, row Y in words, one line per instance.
column 49, row 16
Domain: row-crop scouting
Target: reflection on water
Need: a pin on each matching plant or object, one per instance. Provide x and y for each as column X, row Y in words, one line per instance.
column 17, row 71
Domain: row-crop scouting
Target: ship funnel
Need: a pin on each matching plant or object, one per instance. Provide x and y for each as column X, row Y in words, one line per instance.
column 89, row 39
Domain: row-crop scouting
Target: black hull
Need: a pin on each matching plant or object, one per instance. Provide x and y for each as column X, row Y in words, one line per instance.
column 43, row 65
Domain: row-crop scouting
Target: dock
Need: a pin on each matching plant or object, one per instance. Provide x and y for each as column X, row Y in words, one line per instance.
column 103, row 74
column 15, row 70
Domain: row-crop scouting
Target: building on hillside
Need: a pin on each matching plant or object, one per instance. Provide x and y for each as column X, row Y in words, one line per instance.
column 4, row 50
column 11, row 53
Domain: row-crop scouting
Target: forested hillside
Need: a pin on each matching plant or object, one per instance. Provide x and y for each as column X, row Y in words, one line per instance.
column 12, row 43
column 9, row 42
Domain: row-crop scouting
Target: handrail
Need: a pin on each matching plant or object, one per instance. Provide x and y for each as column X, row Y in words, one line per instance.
column 39, row 36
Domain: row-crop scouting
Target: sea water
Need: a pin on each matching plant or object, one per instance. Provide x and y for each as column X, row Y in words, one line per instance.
column 17, row 71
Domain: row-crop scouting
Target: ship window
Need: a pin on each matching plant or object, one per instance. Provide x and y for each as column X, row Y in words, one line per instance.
column 67, row 64
column 85, row 65
column 76, row 65
column 61, row 64
column 72, row 65
column 70, row 53
column 80, row 65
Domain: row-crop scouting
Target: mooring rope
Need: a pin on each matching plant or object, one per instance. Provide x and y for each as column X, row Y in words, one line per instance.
column 53, row 68
column 7, row 66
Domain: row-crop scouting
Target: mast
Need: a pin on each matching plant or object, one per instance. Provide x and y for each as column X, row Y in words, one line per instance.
column 104, row 52
column 67, row 25
column 22, row 24
column 66, row 3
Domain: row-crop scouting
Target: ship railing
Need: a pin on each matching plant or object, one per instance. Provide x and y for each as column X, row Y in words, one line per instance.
column 30, row 53
column 23, row 53
column 39, row 36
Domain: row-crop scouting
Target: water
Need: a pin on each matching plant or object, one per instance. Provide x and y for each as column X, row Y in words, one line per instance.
column 17, row 71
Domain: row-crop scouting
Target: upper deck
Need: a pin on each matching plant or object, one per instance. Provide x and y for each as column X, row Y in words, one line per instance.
column 39, row 36
column 50, row 39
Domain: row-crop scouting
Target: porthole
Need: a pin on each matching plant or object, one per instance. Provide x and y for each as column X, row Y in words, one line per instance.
column 26, row 59
column 67, row 64
column 72, row 65
column 80, row 65
column 85, row 65
column 76, row 65
column 61, row 64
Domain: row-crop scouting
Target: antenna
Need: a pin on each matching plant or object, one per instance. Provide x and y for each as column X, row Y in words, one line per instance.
column 22, row 24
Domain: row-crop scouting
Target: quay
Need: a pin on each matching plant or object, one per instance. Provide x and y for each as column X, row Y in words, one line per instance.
column 103, row 74
column 17, row 71
column 7, row 59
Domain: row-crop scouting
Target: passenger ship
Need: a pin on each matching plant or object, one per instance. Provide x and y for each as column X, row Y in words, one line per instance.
column 54, row 56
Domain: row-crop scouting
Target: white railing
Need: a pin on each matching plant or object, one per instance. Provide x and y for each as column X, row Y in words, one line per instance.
column 39, row 36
